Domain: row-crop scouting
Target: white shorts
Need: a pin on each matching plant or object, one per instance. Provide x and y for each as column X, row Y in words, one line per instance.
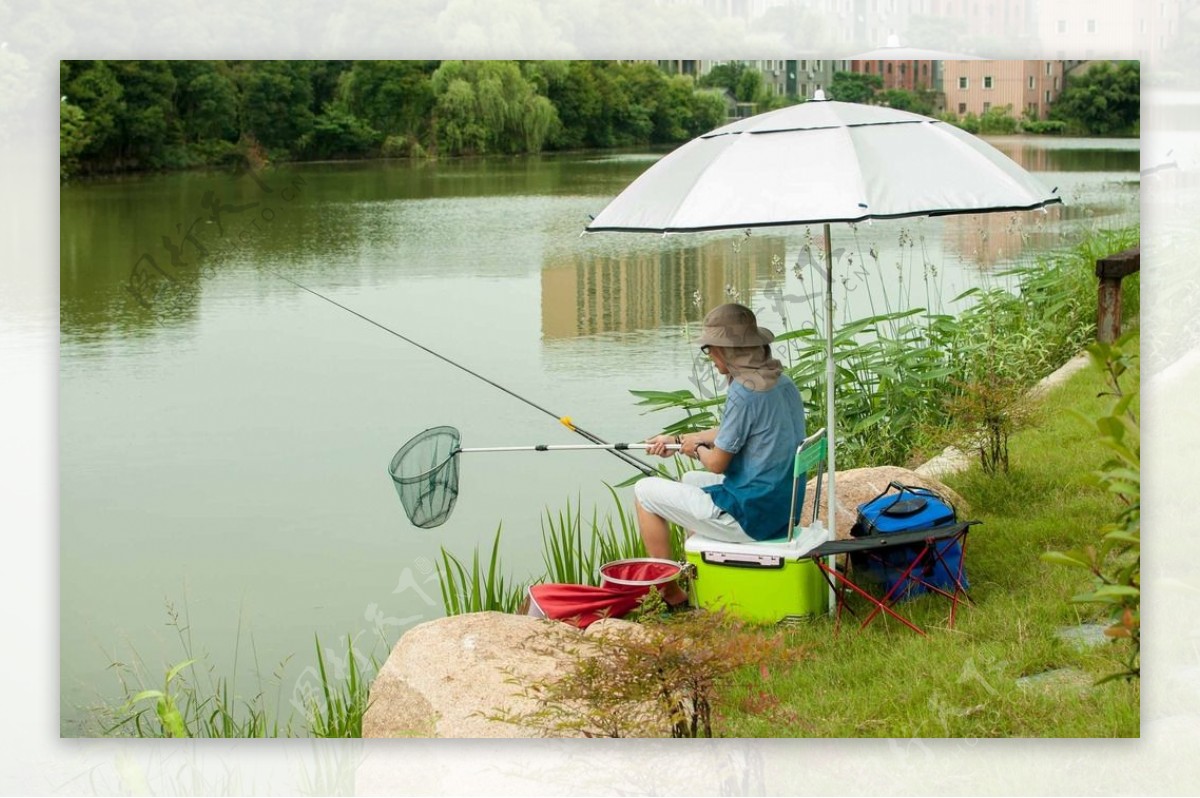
column 684, row 503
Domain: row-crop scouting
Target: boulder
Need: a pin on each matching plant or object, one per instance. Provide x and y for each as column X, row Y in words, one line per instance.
column 860, row 485
column 444, row 678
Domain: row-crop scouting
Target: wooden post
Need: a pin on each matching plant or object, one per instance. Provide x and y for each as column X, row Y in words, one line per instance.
column 1111, row 270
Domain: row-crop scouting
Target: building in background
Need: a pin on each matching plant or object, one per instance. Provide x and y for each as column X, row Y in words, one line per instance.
column 962, row 87
column 975, row 87
column 814, row 74
column 902, row 74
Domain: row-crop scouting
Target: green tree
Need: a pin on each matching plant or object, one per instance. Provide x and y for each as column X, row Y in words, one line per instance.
column 72, row 137
column 93, row 88
column 854, row 87
column 393, row 97
column 326, row 78
column 147, row 124
column 664, row 102
column 743, row 81
column 724, row 76
column 206, row 101
column 337, row 133
column 489, row 107
column 708, row 111
column 574, row 89
column 918, row 102
column 1104, row 101
column 276, row 103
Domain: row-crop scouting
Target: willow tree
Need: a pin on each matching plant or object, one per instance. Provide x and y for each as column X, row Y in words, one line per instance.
column 486, row 107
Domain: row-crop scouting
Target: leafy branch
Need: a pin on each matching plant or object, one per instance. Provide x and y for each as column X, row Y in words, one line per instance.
column 1116, row 562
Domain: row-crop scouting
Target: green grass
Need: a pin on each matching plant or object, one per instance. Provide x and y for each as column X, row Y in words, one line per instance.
column 962, row 682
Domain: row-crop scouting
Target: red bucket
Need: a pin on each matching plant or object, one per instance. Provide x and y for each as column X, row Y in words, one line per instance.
column 644, row 572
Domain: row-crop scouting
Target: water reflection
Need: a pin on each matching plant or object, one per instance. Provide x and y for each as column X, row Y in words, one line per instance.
column 592, row 293
column 1042, row 154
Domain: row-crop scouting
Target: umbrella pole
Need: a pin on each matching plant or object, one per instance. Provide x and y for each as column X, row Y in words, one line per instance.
column 830, row 429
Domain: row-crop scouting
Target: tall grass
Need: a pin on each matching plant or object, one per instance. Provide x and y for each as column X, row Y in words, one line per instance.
column 573, row 556
column 195, row 702
column 574, row 548
column 897, row 368
column 346, row 699
column 479, row 588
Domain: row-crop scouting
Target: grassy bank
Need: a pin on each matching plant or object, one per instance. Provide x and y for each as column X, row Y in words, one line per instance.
column 963, row 682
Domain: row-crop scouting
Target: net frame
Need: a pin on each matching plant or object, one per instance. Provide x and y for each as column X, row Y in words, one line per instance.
column 425, row 474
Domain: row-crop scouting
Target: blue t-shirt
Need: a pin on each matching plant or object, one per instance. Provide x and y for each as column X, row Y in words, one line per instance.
column 762, row 430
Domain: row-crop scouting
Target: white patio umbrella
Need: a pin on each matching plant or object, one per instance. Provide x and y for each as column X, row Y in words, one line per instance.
column 822, row 162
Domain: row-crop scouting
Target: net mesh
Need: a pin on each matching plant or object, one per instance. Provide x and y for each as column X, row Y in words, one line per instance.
column 425, row 473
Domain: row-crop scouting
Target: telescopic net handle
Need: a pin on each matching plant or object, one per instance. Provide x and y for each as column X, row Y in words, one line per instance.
column 425, row 474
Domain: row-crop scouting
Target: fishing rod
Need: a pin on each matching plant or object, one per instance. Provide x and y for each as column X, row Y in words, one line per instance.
column 620, row 452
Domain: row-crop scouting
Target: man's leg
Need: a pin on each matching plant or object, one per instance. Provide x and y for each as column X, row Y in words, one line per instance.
column 656, row 535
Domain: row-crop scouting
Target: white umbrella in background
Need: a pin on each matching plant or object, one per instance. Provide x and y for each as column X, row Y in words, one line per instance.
column 822, row 162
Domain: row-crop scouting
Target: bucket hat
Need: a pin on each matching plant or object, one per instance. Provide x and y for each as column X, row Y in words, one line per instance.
column 733, row 325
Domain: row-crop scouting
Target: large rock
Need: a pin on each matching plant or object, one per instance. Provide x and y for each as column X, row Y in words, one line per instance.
column 444, row 677
column 860, row 485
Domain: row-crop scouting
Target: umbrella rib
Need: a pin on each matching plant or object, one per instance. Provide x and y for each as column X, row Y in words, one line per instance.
column 801, row 128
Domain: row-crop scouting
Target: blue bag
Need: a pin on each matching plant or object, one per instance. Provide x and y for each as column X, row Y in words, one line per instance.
column 908, row 509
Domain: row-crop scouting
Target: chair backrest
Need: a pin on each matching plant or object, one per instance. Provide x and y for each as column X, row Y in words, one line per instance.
column 812, row 451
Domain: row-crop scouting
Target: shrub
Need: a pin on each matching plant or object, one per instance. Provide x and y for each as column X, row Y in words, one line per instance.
column 1052, row 127
column 663, row 677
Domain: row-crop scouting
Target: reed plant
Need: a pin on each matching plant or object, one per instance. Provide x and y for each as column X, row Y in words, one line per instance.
column 479, row 588
column 194, row 701
column 573, row 555
column 573, row 549
column 345, row 699
column 898, row 367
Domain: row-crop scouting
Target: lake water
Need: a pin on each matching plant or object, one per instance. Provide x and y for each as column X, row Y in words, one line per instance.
column 224, row 435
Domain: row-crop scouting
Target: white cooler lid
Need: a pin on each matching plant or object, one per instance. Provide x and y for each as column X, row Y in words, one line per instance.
column 809, row 538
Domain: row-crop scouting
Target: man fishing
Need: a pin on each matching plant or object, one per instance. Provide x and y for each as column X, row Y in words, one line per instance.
column 744, row 493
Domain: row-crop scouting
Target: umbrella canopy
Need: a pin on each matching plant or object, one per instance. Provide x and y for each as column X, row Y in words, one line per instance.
column 819, row 162
column 822, row 162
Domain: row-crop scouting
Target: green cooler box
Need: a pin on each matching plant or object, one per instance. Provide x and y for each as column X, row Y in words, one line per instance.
column 763, row 582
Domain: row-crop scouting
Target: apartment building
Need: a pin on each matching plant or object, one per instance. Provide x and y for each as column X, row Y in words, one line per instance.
column 906, row 74
column 975, row 87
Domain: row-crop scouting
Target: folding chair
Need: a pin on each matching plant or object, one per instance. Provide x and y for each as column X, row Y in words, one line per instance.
column 927, row 547
column 811, row 452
